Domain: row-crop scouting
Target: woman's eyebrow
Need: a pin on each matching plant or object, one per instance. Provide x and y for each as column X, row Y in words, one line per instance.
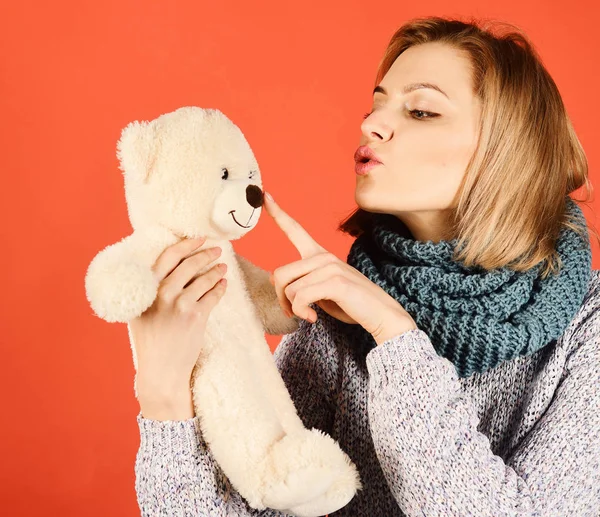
column 411, row 87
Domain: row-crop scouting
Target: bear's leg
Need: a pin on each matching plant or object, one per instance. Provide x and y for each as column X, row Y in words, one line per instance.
column 272, row 384
column 237, row 420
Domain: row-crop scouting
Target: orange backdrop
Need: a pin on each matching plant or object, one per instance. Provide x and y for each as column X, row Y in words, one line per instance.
column 296, row 78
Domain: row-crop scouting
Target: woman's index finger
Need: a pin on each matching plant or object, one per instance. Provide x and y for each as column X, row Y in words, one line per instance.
column 298, row 236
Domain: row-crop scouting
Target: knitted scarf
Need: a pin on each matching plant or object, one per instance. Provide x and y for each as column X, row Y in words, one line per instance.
column 474, row 317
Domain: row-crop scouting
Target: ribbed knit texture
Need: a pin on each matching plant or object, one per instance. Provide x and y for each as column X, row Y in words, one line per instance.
column 474, row 317
column 520, row 439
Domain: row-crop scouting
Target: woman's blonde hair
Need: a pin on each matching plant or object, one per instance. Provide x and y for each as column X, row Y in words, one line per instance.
column 512, row 201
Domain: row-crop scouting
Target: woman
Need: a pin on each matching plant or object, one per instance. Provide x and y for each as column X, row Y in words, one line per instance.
column 455, row 357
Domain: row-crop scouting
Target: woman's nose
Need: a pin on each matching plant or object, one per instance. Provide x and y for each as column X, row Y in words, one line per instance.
column 375, row 129
column 254, row 196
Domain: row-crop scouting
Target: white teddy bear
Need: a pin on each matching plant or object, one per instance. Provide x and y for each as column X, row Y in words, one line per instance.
column 191, row 173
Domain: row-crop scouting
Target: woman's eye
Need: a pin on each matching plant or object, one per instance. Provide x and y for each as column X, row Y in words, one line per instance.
column 418, row 114
column 421, row 114
column 225, row 174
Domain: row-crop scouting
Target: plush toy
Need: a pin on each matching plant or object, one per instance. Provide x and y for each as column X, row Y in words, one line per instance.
column 191, row 173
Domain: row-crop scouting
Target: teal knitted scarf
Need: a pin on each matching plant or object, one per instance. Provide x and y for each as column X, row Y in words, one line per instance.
column 474, row 317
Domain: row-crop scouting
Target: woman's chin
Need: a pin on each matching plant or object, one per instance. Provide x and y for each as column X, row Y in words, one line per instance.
column 366, row 198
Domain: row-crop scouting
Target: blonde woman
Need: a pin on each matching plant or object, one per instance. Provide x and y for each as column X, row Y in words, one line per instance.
column 455, row 355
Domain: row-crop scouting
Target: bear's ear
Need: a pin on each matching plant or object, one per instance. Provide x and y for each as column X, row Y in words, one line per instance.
column 137, row 149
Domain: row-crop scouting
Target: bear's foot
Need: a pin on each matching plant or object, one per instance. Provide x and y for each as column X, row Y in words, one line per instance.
column 309, row 475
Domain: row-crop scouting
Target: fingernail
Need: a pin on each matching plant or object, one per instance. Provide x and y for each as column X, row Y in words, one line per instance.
column 269, row 196
column 198, row 241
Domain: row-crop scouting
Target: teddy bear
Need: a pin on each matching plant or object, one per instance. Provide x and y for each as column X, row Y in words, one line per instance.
column 192, row 173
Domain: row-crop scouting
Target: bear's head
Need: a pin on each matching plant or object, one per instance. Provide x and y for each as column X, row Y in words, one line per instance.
column 192, row 172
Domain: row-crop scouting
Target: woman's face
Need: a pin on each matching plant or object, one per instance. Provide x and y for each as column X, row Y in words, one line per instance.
column 424, row 153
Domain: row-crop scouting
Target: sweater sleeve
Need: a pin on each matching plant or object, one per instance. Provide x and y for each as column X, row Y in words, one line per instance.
column 176, row 474
column 436, row 462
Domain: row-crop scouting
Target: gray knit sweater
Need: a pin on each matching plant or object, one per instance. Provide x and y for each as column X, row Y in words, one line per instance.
column 521, row 439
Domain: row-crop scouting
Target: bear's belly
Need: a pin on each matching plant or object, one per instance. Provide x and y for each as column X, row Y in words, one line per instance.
column 234, row 321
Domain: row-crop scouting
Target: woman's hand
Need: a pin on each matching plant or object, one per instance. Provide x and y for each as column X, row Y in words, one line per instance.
column 169, row 335
column 338, row 288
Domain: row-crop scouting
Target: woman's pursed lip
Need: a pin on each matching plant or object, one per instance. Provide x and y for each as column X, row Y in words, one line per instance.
column 363, row 152
column 363, row 168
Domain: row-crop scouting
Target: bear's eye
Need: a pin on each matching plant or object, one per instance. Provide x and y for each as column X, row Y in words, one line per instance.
column 225, row 174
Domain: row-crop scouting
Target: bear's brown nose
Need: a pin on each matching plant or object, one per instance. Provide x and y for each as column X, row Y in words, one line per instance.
column 254, row 196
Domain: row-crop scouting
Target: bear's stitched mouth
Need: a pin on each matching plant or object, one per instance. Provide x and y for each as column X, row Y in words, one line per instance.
column 236, row 221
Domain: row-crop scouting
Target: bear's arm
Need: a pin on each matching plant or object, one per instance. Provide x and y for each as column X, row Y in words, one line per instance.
column 263, row 294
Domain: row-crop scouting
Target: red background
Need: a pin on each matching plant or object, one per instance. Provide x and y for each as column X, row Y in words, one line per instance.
column 296, row 78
